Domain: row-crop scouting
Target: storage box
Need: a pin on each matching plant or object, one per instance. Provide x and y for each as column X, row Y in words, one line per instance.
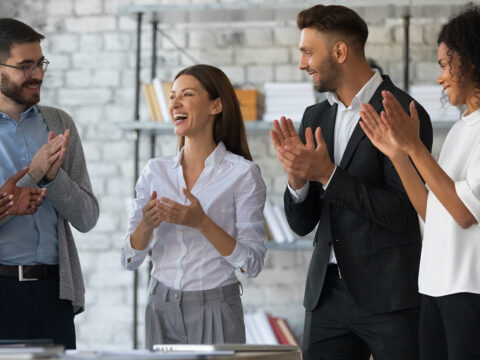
column 252, row 103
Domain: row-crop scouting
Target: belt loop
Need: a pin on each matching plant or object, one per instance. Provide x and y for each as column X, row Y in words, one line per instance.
column 220, row 292
column 152, row 286
column 165, row 294
column 202, row 297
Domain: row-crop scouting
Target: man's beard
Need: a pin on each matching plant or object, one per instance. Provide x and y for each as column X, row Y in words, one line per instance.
column 328, row 76
column 14, row 91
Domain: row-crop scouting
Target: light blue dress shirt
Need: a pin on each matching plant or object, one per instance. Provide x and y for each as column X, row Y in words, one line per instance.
column 30, row 238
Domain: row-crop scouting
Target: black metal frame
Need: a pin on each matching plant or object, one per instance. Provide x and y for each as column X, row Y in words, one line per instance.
column 136, row 116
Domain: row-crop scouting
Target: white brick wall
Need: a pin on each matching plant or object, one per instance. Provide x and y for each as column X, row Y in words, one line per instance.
column 91, row 75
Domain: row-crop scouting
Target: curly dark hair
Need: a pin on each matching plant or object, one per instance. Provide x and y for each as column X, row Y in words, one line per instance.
column 461, row 35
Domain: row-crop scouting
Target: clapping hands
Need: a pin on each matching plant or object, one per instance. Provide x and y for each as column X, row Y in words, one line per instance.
column 301, row 161
column 49, row 157
column 189, row 215
column 393, row 132
column 165, row 209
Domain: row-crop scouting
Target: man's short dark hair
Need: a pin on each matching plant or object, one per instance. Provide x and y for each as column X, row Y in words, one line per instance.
column 335, row 19
column 15, row 32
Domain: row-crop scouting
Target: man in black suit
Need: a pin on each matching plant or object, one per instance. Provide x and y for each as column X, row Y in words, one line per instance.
column 361, row 294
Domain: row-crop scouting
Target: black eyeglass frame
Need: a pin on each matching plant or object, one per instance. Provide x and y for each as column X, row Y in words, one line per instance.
column 29, row 69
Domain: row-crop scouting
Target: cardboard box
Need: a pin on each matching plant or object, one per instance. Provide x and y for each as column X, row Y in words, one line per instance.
column 252, row 104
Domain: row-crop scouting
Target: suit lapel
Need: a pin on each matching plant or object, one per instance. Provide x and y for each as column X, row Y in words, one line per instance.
column 358, row 134
column 328, row 128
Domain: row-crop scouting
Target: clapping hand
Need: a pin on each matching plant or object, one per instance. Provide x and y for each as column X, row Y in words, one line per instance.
column 49, row 157
column 377, row 130
column 16, row 200
column 189, row 215
column 303, row 161
column 394, row 130
column 284, row 134
column 53, row 171
column 151, row 213
column 5, row 204
column 404, row 128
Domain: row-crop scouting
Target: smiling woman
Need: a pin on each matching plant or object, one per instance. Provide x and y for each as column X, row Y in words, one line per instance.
column 450, row 205
column 204, row 207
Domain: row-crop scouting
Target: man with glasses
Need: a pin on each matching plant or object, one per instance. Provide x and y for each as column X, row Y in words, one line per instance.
column 41, row 286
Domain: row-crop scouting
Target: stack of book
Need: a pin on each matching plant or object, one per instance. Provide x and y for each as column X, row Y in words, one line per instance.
column 261, row 328
column 156, row 93
column 287, row 99
column 278, row 229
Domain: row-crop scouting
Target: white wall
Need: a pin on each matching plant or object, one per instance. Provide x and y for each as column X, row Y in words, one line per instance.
column 91, row 75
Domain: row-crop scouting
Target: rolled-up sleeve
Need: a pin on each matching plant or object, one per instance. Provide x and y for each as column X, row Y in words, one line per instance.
column 250, row 195
column 130, row 257
column 468, row 190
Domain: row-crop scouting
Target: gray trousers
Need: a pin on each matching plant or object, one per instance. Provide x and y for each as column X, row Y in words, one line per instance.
column 193, row 317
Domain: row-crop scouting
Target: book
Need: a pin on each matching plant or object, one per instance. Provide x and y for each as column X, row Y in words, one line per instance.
column 153, row 106
column 282, row 220
column 287, row 99
column 162, row 93
column 272, row 223
column 252, row 331
column 262, row 328
column 282, row 339
column 265, row 329
column 278, row 228
column 282, row 323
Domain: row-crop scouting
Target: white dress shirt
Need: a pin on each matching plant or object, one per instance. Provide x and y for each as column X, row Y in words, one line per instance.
column 450, row 260
column 346, row 120
column 232, row 193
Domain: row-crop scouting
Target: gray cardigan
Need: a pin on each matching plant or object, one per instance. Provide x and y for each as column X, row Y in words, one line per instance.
column 71, row 195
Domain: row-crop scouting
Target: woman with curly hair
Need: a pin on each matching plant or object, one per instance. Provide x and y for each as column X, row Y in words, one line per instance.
column 449, row 203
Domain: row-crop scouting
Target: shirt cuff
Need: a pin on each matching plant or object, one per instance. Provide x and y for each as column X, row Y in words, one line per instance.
column 130, row 252
column 45, row 184
column 238, row 256
column 331, row 176
column 300, row 194
column 469, row 199
column 27, row 181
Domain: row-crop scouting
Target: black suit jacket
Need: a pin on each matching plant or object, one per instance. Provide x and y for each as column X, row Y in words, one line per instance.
column 364, row 214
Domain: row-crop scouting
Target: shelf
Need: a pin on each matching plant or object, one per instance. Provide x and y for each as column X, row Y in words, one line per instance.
column 163, row 128
column 296, row 245
column 252, row 127
column 239, row 6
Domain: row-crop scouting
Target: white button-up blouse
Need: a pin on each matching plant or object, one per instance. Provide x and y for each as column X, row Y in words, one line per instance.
column 232, row 193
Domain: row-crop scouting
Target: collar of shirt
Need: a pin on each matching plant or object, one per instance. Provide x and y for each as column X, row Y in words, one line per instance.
column 471, row 119
column 363, row 96
column 32, row 110
column 214, row 158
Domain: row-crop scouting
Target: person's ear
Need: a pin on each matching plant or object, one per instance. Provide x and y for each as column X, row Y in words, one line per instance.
column 217, row 107
column 340, row 52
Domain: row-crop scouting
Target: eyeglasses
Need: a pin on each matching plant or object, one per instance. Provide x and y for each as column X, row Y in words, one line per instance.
column 29, row 69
